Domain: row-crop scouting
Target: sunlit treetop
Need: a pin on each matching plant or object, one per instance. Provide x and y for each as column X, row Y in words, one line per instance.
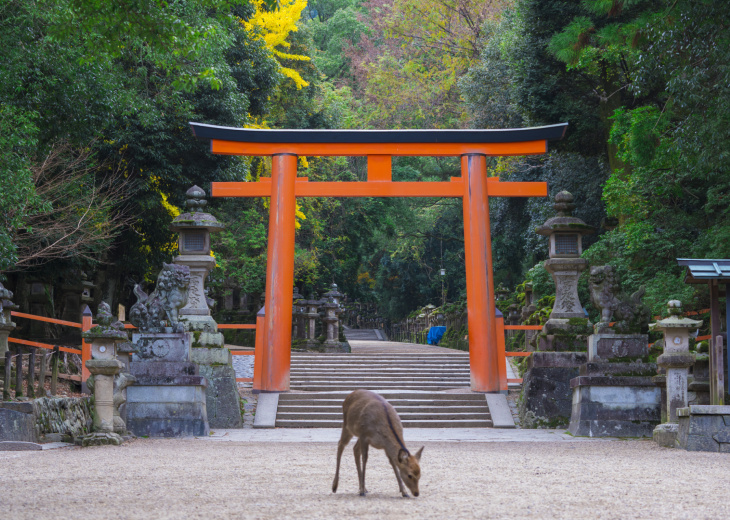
column 274, row 26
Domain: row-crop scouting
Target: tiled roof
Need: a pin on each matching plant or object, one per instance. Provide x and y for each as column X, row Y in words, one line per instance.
column 701, row 270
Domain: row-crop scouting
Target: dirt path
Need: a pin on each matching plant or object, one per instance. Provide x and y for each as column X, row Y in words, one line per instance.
column 175, row 479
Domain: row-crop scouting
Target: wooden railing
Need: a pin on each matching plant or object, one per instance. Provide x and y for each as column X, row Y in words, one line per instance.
column 503, row 354
column 32, row 391
column 86, row 324
column 85, row 350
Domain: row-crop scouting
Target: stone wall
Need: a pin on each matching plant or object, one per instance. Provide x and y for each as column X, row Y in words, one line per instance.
column 69, row 417
column 46, row 419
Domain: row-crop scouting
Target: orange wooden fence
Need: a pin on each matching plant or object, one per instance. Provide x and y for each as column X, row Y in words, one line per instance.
column 84, row 326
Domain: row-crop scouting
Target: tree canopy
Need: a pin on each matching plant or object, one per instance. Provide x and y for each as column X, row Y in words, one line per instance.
column 97, row 153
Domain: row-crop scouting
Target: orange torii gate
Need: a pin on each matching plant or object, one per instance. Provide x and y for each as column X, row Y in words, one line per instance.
column 474, row 187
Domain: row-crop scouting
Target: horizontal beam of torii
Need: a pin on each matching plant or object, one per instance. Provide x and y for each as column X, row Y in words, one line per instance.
column 488, row 371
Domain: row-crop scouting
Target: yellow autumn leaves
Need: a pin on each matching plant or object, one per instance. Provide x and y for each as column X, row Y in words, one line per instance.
column 274, row 27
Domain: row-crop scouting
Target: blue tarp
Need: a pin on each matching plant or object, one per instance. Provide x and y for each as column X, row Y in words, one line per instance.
column 434, row 335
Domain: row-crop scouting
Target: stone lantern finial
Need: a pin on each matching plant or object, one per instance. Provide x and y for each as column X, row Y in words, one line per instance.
column 564, row 204
column 197, row 199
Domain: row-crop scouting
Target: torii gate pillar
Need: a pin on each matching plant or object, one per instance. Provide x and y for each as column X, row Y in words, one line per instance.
column 276, row 360
column 481, row 319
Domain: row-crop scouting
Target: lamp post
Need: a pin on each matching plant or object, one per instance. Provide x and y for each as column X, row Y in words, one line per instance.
column 442, row 272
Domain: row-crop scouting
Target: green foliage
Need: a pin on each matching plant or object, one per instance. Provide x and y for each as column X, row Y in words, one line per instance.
column 331, row 36
column 171, row 35
column 18, row 198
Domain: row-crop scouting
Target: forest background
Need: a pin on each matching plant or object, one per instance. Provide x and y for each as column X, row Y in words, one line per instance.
column 96, row 153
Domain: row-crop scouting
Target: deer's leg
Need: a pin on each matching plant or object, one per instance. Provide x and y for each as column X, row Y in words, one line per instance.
column 364, row 451
column 360, row 473
column 344, row 439
column 401, row 486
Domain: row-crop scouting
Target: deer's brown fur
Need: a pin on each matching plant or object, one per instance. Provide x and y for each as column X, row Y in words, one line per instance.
column 374, row 421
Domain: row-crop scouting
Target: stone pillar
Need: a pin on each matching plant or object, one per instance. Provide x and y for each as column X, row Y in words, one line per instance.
column 6, row 323
column 330, row 319
column 336, row 297
column 104, row 366
column 676, row 360
column 312, row 316
column 297, row 322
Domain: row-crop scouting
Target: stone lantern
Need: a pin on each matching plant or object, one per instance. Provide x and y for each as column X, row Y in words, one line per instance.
column 330, row 319
column 6, row 323
column 676, row 360
column 194, row 228
column 214, row 361
column 312, row 314
column 104, row 366
column 565, row 265
column 334, row 294
column 336, row 297
column 501, row 293
column 298, row 308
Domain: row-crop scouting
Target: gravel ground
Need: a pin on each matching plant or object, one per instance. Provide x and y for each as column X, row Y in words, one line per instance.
column 161, row 479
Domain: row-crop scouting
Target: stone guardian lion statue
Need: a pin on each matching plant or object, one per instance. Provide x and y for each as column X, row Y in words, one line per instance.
column 630, row 314
column 161, row 308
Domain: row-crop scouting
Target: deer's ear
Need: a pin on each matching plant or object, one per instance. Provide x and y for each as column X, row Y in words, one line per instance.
column 418, row 454
column 402, row 456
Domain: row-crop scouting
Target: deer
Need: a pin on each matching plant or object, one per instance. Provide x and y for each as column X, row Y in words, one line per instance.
column 374, row 421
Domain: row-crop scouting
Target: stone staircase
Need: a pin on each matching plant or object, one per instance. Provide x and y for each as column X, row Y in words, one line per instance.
column 364, row 334
column 426, row 389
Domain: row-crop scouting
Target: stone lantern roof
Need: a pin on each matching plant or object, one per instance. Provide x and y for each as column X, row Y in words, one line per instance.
column 675, row 319
column 195, row 217
column 333, row 292
column 564, row 221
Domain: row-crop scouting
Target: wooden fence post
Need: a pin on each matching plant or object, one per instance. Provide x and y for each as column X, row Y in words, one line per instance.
column 501, row 354
column 718, row 397
column 31, row 374
column 54, row 369
column 8, row 372
column 41, row 392
column 19, row 371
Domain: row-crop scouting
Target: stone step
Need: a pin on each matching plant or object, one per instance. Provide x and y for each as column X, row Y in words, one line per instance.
column 372, row 386
column 323, row 423
column 380, row 355
column 381, row 362
column 316, row 407
column 442, row 415
column 385, row 372
column 391, row 395
column 379, row 377
column 380, row 366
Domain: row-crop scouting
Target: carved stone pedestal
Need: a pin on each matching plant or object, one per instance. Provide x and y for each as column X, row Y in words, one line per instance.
column 614, row 395
column 546, row 396
column 704, row 428
column 169, row 397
